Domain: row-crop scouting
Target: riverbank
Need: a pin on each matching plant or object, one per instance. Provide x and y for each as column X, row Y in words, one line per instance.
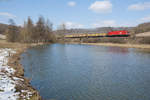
column 13, row 84
column 140, row 46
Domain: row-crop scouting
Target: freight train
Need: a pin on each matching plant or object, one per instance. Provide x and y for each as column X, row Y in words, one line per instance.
column 122, row 33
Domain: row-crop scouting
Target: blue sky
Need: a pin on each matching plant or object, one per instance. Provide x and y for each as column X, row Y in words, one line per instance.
column 78, row 13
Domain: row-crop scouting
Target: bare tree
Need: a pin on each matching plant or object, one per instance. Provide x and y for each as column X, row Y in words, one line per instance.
column 62, row 31
column 49, row 36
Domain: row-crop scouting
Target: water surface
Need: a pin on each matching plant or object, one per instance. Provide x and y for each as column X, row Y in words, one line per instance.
column 82, row 72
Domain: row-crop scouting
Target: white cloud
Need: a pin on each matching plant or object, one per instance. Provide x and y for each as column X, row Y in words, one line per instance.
column 145, row 19
column 7, row 15
column 71, row 3
column 70, row 25
column 101, row 7
column 140, row 6
column 105, row 23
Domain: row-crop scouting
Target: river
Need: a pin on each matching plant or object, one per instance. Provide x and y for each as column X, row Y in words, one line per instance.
column 83, row 72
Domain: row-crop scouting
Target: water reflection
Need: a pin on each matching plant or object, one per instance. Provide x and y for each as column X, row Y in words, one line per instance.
column 80, row 72
column 118, row 50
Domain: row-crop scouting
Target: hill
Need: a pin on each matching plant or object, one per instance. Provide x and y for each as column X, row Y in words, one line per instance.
column 97, row 30
column 141, row 28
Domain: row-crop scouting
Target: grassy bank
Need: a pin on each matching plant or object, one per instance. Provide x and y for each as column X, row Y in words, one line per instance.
column 141, row 46
column 23, row 86
column 129, row 42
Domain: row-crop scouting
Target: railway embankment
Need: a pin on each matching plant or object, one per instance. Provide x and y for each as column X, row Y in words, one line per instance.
column 138, row 41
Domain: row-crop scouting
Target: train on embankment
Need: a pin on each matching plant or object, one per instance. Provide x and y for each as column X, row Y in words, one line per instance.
column 122, row 33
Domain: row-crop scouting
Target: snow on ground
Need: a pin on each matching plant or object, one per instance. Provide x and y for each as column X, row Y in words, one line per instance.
column 7, row 81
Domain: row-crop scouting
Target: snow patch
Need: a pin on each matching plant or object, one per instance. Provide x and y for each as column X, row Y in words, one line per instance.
column 7, row 81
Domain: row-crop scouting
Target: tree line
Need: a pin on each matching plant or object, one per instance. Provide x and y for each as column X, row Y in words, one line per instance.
column 42, row 31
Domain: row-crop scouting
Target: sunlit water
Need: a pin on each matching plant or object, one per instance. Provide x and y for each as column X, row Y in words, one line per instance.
column 82, row 72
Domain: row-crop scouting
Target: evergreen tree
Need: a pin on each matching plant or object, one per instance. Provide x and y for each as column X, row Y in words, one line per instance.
column 12, row 32
column 40, row 29
column 23, row 35
column 30, row 30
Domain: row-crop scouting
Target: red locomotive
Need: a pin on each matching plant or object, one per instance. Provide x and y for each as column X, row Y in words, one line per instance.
column 122, row 33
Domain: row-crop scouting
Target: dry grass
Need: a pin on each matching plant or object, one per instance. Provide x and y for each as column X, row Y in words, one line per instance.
column 4, row 44
column 17, row 46
column 145, row 34
column 141, row 46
